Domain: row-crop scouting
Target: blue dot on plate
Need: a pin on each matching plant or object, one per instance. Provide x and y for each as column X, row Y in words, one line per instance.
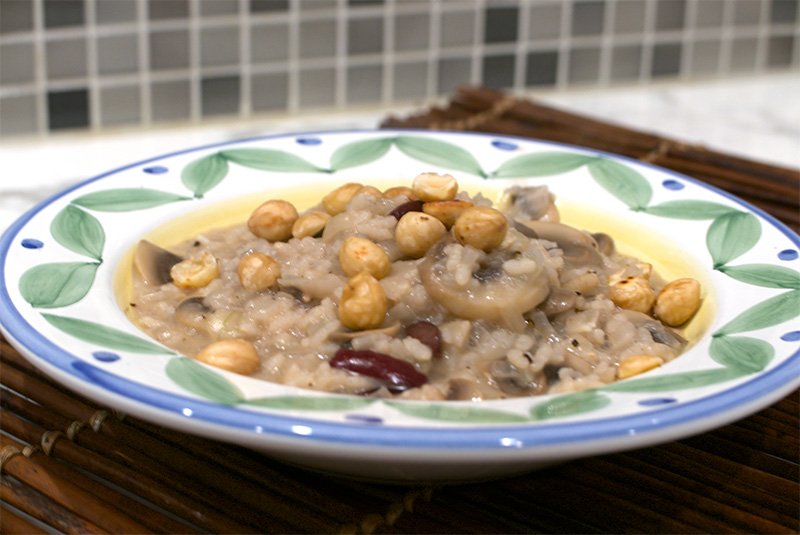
column 655, row 402
column 673, row 185
column 793, row 336
column 504, row 145
column 30, row 243
column 155, row 170
column 363, row 418
column 105, row 356
column 788, row 254
column 309, row 141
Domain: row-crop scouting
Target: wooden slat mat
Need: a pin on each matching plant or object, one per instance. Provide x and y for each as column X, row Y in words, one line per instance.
column 71, row 466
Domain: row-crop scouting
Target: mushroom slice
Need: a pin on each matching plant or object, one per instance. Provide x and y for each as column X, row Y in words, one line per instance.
column 579, row 248
column 193, row 312
column 154, row 263
column 493, row 294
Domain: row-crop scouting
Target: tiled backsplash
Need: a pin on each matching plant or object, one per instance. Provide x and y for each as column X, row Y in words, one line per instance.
column 103, row 63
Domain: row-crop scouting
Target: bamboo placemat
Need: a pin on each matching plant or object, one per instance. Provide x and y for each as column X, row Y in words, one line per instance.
column 71, row 466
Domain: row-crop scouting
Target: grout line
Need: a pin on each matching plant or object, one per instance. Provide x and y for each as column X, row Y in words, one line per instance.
column 648, row 42
column 245, row 62
column 195, row 89
column 389, row 40
column 144, row 74
column 726, row 38
column 434, row 47
column 95, row 118
column 293, row 97
column 340, row 74
column 607, row 43
column 523, row 36
column 564, row 45
column 40, row 68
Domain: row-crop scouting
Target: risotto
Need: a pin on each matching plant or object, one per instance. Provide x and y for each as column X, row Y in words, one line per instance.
column 421, row 292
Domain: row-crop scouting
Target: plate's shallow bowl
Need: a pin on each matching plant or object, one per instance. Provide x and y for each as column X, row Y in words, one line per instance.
column 59, row 308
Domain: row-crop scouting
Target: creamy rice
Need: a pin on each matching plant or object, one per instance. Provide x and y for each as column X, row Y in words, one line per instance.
column 530, row 316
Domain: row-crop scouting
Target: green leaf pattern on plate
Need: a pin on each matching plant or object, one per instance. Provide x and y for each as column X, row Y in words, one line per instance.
column 199, row 380
column 731, row 234
column 360, row 153
column 57, row 284
column 127, row 199
column 79, row 231
column 740, row 353
column 570, row 405
column 104, row 336
column 456, row 413
column 541, row 164
column 202, row 175
column 622, row 181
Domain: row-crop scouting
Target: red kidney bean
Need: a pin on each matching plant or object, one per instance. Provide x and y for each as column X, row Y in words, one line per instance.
column 399, row 374
column 403, row 209
column 427, row 333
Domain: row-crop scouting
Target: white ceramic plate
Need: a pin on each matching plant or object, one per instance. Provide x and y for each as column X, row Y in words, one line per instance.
column 58, row 307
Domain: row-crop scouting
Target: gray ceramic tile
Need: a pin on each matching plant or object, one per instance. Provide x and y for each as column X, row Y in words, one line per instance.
column 452, row 73
column 779, row 51
column 410, row 80
column 169, row 49
column 457, row 28
column 500, row 24
column 117, row 54
column 705, row 57
column 544, row 22
column 219, row 46
column 168, row 9
column 783, row 11
column 587, row 18
column 113, row 11
column 364, row 36
column 317, row 87
column 498, row 71
column 747, row 12
column 626, row 62
column 541, row 68
column 62, row 13
column 743, row 54
column 411, row 32
column 66, row 59
column 629, row 16
column 584, row 65
column 269, row 43
column 220, row 95
column 710, row 13
column 364, row 84
column 16, row 17
column 670, row 14
column 119, row 105
column 16, row 63
column 270, row 91
column 170, row 101
column 211, row 8
column 318, row 5
column 318, row 39
column 68, row 109
column 17, row 115
column 363, row 3
column 271, row 6
column 666, row 59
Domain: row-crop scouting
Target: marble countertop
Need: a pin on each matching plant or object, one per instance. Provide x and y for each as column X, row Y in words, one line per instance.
column 755, row 118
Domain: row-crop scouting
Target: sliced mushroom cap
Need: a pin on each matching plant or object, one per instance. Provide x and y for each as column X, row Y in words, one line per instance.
column 193, row 312
column 516, row 382
column 154, row 263
column 660, row 333
column 493, row 294
column 579, row 248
